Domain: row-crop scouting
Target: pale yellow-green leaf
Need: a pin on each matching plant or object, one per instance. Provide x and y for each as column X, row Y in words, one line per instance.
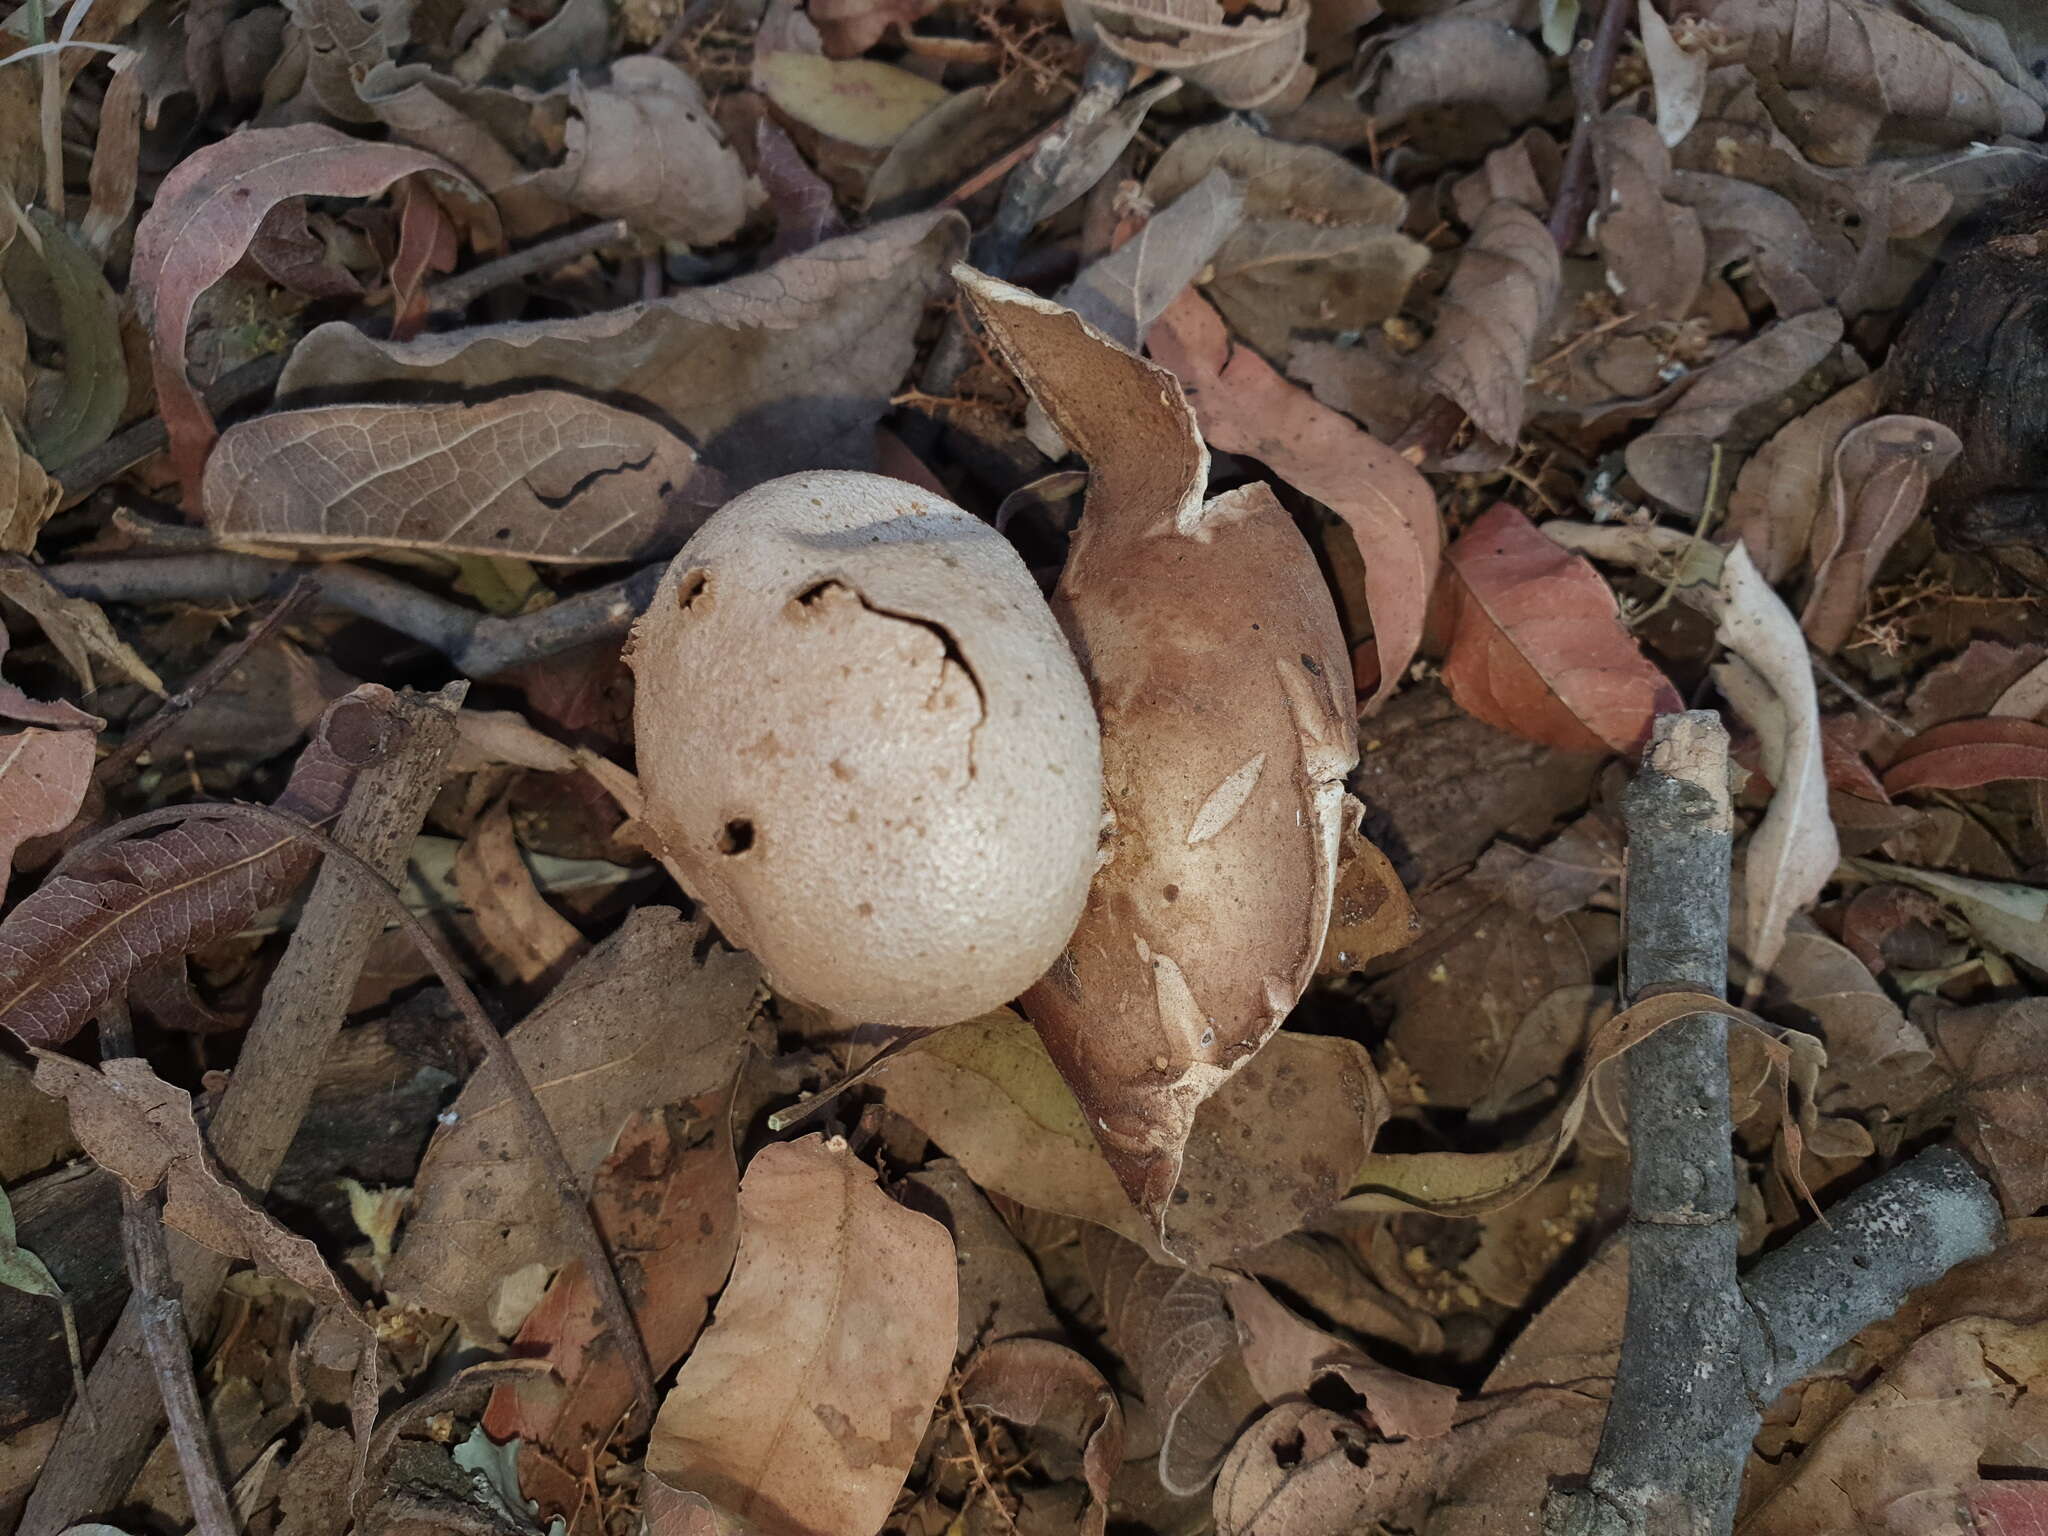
column 861, row 102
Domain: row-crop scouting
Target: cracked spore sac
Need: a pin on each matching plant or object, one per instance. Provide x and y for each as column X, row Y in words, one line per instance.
column 1975, row 358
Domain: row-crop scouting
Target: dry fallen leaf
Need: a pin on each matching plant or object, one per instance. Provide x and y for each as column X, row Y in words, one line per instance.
column 75, row 940
column 780, row 370
column 666, row 1203
column 1266, row 1155
column 1040, row 1384
column 1246, row 56
column 1123, row 293
column 1320, row 247
column 1494, row 310
column 1655, row 250
column 1863, row 53
column 140, row 1128
column 640, row 1023
column 1883, row 470
column 543, row 475
column 1995, row 1054
column 802, row 1405
column 644, row 147
column 1915, row 1443
column 1285, row 1357
column 1205, row 925
column 862, row 103
column 1966, row 754
column 1537, row 646
column 204, row 216
column 525, row 939
column 43, row 779
column 1173, row 1328
column 1783, row 487
column 1245, row 407
column 1674, row 460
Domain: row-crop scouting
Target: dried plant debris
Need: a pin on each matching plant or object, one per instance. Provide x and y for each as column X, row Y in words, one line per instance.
column 1025, row 674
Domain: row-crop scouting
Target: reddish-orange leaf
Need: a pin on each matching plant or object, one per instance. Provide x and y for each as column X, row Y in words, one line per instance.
column 1537, row 646
column 1964, row 754
column 1245, row 407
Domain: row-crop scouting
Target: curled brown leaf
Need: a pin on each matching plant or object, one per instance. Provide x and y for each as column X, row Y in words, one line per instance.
column 1883, row 471
column 1244, row 56
column 206, row 213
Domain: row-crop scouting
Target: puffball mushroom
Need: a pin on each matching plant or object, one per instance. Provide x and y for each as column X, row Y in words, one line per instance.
column 867, row 749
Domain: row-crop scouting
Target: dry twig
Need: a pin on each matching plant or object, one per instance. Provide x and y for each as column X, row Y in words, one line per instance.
column 162, row 1318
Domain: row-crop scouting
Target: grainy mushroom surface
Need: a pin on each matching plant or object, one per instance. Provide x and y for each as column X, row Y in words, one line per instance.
column 867, row 748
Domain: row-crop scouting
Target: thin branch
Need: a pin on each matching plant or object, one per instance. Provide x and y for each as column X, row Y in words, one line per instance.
column 1592, row 66
column 155, row 1296
column 217, row 671
column 479, row 645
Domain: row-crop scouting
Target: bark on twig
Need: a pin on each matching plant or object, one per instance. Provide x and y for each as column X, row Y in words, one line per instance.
column 104, row 1442
column 477, row 644
column 1703, row 1351
column 1592, row 66
column 162, row 1319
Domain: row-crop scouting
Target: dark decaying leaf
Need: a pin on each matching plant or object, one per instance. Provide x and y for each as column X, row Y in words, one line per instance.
column 204, row 216
column 1041, row 1384
column 1495, row 308
column 1536, row 646
column 1870, row 55
column 653, row 1016
column 543, row 475
column 780, row 370
column 1655, row 250
column 1173, row 1327
column 74, row 942
column 1559, row 877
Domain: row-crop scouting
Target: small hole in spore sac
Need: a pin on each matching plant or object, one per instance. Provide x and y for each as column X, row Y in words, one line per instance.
column 692, row 586
column 736, row 837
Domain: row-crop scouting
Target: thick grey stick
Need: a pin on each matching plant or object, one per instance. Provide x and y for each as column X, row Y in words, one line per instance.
column 1703, row 1352
column 98, row 1454
column 1683, row 1300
